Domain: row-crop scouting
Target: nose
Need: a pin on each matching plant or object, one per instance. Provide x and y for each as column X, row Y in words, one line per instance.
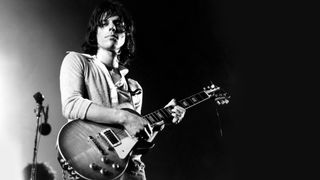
column 112, row 27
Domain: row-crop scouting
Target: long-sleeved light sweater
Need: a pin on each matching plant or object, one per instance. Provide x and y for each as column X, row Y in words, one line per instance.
column 84, row 80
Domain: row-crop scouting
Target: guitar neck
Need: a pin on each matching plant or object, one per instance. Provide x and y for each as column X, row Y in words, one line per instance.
column 164, row 114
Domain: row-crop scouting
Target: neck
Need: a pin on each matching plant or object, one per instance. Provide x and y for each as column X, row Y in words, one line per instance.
column 108, row 58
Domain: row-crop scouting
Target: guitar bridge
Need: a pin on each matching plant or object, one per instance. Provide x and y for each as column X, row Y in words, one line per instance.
column 97, row 144
column 111, row 137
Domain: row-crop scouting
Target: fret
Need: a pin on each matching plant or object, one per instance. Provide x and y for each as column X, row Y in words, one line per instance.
column 203, row 95
column 194, row 99
column 168, row 111
column 150, row 119
column 184, row 103
column 199, row 97
column 190, row 103
column 165, row 113
column 154, row 115
column 159, row 115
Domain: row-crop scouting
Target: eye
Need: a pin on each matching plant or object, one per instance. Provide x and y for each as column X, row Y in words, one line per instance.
column 104, row 23
column 120, row 25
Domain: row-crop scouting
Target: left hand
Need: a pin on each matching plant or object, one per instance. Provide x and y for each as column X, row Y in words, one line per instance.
column 178, row 112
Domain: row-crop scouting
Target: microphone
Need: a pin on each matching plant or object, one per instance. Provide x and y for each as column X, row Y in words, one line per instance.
column 44, row 128
column 39, row 99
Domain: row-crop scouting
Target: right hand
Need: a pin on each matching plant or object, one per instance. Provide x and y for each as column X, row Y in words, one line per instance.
column 136, row 125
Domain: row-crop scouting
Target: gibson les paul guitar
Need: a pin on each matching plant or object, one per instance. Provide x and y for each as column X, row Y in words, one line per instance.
column 94, row 151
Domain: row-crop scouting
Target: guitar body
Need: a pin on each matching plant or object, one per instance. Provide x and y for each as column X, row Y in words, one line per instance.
column 94, row 151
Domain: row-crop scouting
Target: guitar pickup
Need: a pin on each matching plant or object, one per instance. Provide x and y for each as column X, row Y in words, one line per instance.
column 111, row 137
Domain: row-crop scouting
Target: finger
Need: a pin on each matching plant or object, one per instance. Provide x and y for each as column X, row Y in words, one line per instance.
column 174, row 110
column 179, row 110
column 159, row 126
column 171, row 103
column 175, row 120
column 148, row 131
column 145, row 133
column 159, row 123
column 181, row 116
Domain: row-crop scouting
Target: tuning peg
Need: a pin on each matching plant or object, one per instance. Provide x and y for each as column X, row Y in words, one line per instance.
column 222, row 102
column 207, row 88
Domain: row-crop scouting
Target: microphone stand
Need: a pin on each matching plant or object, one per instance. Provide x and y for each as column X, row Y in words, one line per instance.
column 39, row 99
column 219, row 122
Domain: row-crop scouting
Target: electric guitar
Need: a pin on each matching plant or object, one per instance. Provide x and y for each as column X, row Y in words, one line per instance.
column 94, row 151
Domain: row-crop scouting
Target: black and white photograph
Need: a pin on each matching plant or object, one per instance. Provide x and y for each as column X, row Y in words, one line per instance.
column 156, row 90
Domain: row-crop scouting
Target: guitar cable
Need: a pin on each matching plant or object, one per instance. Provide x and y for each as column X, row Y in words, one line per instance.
column 219, row 122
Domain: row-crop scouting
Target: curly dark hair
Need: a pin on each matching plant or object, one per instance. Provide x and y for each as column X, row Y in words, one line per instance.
column 43, row 171
column 110, row 8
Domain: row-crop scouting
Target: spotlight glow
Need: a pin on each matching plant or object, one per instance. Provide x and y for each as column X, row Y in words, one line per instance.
column 11, row 168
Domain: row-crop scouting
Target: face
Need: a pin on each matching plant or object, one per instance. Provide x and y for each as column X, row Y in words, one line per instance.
column 111, row 34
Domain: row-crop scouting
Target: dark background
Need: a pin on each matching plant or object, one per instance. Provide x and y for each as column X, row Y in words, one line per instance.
column 262, row 53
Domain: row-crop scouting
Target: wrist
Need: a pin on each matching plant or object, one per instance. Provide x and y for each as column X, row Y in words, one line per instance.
column 122, row 117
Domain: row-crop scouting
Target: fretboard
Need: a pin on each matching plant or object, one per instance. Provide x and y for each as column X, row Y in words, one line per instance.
column 164, row 114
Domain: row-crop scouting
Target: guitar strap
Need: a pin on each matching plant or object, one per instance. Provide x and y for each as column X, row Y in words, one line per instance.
column 132, row 93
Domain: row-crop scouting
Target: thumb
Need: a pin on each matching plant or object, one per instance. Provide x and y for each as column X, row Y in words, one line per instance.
column 159, row 126
column 172, row 103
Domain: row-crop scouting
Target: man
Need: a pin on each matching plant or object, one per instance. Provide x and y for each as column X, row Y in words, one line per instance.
column 93, row 84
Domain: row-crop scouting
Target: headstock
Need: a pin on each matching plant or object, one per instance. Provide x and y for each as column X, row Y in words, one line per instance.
column 220, row 96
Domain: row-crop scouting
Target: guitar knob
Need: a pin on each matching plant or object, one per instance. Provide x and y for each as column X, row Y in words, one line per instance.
column 93, row 166
column 65, row 166
column 73, row 173
column 104, row 172
column 62, row 161
column 115, row 166
column 69, row 168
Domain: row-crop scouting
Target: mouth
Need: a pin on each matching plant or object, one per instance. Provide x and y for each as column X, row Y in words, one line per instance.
column 112, row 36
